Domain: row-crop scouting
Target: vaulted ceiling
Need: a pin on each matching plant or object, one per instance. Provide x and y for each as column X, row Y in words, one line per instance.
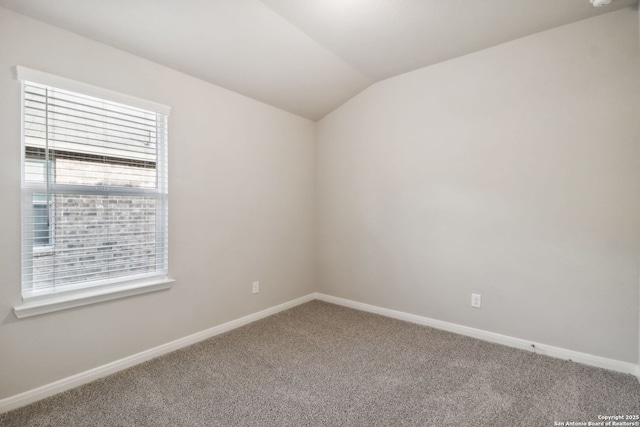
column 305, row 56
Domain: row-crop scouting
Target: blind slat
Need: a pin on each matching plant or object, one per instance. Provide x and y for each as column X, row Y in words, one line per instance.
column 68, row 270
column 60, row 112
column 35, row 98
column 37, row 129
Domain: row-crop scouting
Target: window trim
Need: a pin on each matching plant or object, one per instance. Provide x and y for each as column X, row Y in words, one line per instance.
column 35, row 306
column 36, row 303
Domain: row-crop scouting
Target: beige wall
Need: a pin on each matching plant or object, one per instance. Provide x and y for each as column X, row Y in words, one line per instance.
column 241, row 209
column 511, row 172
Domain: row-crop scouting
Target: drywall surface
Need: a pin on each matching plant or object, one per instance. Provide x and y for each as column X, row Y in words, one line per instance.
column 512, row 173
column 241, row 209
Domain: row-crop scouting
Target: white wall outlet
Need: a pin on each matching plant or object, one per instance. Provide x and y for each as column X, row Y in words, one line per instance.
column 256, row 287
column 476, row 300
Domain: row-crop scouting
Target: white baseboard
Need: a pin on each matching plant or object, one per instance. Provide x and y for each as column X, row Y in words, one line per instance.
column 560, row 353
column 64, row 384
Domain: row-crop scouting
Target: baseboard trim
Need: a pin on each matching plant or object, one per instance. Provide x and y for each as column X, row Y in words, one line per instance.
column 30, row 396
column 557, row 352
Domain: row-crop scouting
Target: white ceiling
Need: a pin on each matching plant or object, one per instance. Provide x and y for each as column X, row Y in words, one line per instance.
column 305, row 56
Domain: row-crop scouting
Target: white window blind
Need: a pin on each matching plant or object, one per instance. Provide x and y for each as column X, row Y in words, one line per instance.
column 94, row 194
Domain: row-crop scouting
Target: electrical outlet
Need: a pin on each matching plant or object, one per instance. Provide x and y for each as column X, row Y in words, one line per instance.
column 476, row 300
column 256, row 287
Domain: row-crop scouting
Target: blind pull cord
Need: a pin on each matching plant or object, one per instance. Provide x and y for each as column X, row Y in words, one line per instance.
column 46, row 155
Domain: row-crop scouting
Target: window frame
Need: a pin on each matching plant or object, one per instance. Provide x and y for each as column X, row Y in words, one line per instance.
column 66, row 296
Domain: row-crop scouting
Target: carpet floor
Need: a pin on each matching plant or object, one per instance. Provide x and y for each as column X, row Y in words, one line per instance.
column 319, row 364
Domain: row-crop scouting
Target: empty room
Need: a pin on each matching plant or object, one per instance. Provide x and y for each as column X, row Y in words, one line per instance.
column 319, row 213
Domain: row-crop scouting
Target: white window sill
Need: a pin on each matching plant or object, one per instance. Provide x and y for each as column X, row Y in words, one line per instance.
column 37, row 306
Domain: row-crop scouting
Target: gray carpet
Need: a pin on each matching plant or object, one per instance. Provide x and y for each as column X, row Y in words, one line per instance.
column 324, row 365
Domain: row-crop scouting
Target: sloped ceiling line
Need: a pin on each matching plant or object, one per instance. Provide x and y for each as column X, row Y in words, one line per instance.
column 304, row 56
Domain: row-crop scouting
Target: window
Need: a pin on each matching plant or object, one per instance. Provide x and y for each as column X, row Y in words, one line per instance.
column 42, row 210
column 41, row 223
column 94, row 188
